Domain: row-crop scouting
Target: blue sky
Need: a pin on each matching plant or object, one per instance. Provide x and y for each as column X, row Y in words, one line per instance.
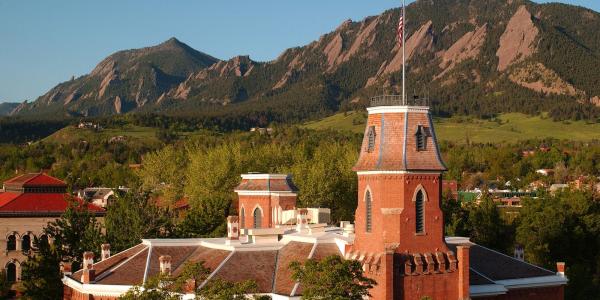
column 43, row 43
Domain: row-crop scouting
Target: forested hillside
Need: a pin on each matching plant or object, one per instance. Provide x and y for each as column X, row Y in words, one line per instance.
column 469, row 57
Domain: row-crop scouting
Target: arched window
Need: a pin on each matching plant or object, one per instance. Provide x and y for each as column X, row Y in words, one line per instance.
column 26, row 243
column 44, row 239
column 257, row 217
column 11, row 272
column 368, row 211
column 419, row 211
column 11, row 242
column 243, row 218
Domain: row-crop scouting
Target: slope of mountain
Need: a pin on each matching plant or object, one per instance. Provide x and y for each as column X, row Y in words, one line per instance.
column 124, row 81
column 468, row 56
column 7, row 107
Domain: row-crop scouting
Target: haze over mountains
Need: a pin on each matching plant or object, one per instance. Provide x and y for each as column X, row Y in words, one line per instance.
column 469, row 56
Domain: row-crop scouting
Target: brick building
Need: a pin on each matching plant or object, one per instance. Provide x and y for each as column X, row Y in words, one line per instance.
column 27, row 203
column 397, row 235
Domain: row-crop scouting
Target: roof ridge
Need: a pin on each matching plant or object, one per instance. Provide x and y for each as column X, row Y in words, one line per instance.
column 109, row 271
column 147, row 266
column 275, row 272
column 521, row 261
column 481, row 274
column 217, row 269
column 310, row 255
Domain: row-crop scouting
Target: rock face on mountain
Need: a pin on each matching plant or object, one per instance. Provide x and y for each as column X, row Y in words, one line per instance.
column 477, row 57
column 518, row 40
column 125, row 81
column 7, row 107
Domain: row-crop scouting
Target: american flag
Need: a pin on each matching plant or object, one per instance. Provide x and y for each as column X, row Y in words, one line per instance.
column 401, row 30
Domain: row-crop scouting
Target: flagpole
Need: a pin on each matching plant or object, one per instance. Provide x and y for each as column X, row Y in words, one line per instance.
column 403, row 54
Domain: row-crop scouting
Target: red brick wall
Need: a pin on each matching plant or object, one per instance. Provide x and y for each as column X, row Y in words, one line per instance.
column 286, row 202
column 71, row 294
column 249, row 203
column 393, row 213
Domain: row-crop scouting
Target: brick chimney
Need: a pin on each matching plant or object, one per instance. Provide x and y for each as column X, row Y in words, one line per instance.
column 190, row 286
column 165, row 264
column 301, row 219
column 105, row 251
column 66, row 267
column 463, row 272
column 233, row 228
column 560, row 268
column 89, row 274
column 88, row 260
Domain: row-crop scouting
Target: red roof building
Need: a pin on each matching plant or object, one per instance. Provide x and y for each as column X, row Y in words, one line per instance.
column 37, row 194
column 27, row 203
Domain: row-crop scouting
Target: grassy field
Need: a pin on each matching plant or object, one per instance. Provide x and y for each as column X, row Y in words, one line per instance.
column 71, row 134
column 510, row 127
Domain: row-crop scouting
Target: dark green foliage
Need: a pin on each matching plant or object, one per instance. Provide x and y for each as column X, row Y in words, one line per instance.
column 76, row 232
column 5, row 285
column 133, row 216
column 41, row 276
column 218, row 289
column 17, row 130
column 482, row 222
column 167, row 287
column 332, row 278
column 565, row 227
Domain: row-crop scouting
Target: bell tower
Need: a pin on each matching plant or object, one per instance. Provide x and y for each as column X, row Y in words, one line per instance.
column 399, row 226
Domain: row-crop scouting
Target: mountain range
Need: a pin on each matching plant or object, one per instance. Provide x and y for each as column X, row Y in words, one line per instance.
column 467, row 56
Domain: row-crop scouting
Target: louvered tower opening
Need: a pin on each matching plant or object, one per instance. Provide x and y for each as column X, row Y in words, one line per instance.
column 368, row 207
column 420, row 226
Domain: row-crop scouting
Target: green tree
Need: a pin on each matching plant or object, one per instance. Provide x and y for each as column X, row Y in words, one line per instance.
column 5, row 285
column 564, row 227
column 218, row 289
column 41, row 276
column 131, row 217
column 332, row 278
column 163, row 171
column 487, row 227
column 170, row 287
column 205, row 219
column 76, row 232
column 455, row 216
column 325, row 178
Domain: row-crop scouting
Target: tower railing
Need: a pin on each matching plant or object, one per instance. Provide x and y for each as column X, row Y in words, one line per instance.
column 396, row 100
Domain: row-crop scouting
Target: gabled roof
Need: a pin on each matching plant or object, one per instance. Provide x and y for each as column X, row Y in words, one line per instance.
column 35, row 179
column 38, row 204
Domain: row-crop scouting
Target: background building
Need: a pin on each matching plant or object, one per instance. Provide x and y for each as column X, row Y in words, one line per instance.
column 27, row 203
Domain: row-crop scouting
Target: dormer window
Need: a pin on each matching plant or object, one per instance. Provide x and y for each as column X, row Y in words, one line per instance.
column 371, row 136
column 421, row 137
